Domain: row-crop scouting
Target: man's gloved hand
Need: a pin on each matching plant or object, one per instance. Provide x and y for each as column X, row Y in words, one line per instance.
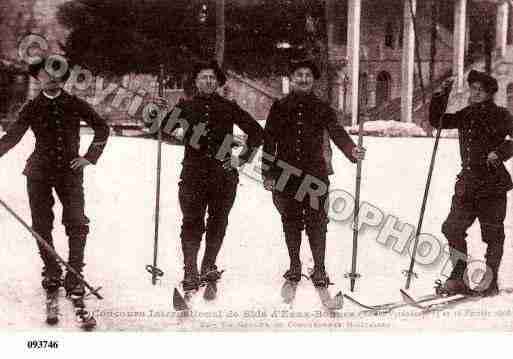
column 269, row 184
column 79, row 163
column 445, row 87
column 359, row 153
column 493, row 160
column 234, row 162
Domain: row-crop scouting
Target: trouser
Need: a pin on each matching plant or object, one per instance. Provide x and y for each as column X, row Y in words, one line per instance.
column 71, row 194
column 213, row 195
column 297, row 216
column 491, row 212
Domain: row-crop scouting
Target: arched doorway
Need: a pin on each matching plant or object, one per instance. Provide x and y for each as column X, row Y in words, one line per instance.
column 383, row 88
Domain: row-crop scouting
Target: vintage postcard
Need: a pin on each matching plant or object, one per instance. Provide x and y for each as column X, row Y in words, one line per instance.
column 255, row 166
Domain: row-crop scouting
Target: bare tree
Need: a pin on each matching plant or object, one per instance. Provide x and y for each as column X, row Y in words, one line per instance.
column 220, row 31
column 330, row 41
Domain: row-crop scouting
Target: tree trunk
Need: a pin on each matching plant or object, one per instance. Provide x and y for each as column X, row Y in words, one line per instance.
column 488, row 47
column 220, row 31
column 330, row 42
column 434, row 21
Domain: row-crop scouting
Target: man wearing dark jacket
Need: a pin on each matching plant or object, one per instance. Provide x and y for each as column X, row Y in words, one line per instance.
column 482, row 184
column 294, row 160
column 54, row 116
column 208, row 179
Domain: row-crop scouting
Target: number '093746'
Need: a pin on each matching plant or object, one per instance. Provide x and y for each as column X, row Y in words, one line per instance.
column 42, row 344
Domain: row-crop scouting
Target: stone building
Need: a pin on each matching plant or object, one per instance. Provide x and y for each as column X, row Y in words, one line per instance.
column 381, row 67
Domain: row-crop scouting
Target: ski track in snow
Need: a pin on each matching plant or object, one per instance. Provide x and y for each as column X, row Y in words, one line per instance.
column 120, row 203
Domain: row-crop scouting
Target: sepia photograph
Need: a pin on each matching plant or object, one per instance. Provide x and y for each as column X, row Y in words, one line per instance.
column 255, row 166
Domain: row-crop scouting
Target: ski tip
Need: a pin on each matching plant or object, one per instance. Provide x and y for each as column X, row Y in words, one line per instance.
column 179, row 303
column 210, row 293
column 86, row 320
column 52, row 321
column 339, row 300
column 90, row 326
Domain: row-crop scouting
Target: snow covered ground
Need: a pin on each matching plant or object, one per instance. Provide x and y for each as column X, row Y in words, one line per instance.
column 120, row 203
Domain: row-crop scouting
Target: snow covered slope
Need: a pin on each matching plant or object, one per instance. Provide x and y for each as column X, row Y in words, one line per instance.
column 120, row 204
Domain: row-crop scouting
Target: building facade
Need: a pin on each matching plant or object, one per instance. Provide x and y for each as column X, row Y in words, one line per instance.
column 399, row 43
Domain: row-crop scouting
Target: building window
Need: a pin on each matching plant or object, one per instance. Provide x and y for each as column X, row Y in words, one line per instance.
column 363, row 92
column 509, row 95
column 510, row 26
column 383, row 88
column 389, row 35
column 401, row 33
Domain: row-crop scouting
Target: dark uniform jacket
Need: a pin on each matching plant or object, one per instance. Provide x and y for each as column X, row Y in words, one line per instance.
column 218, row 115
column 56, row 127
column 483, row 128
column 295, row 131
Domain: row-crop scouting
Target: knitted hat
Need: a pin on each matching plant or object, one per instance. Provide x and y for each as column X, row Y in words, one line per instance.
column 308, row 63
column 488, row 82
column 209, row 65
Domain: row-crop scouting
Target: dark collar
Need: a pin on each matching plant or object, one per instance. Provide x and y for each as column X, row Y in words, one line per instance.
column 215, row 96
column 42, row 100
column 485, row 105
column 302, row 98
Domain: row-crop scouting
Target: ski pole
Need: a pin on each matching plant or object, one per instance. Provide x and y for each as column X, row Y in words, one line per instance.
column 153, row 269
column 353, row 275
column 52, row 251
column 409, row 273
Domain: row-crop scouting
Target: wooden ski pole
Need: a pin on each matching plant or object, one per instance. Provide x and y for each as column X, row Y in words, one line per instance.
column 153, row 269
column 353, row 275
column 51, row 250
column 410, row 273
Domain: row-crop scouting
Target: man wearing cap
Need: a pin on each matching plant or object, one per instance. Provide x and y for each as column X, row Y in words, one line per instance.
column 208, row 179
column 295, row 169
column 54, row 117
column 482, row 184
